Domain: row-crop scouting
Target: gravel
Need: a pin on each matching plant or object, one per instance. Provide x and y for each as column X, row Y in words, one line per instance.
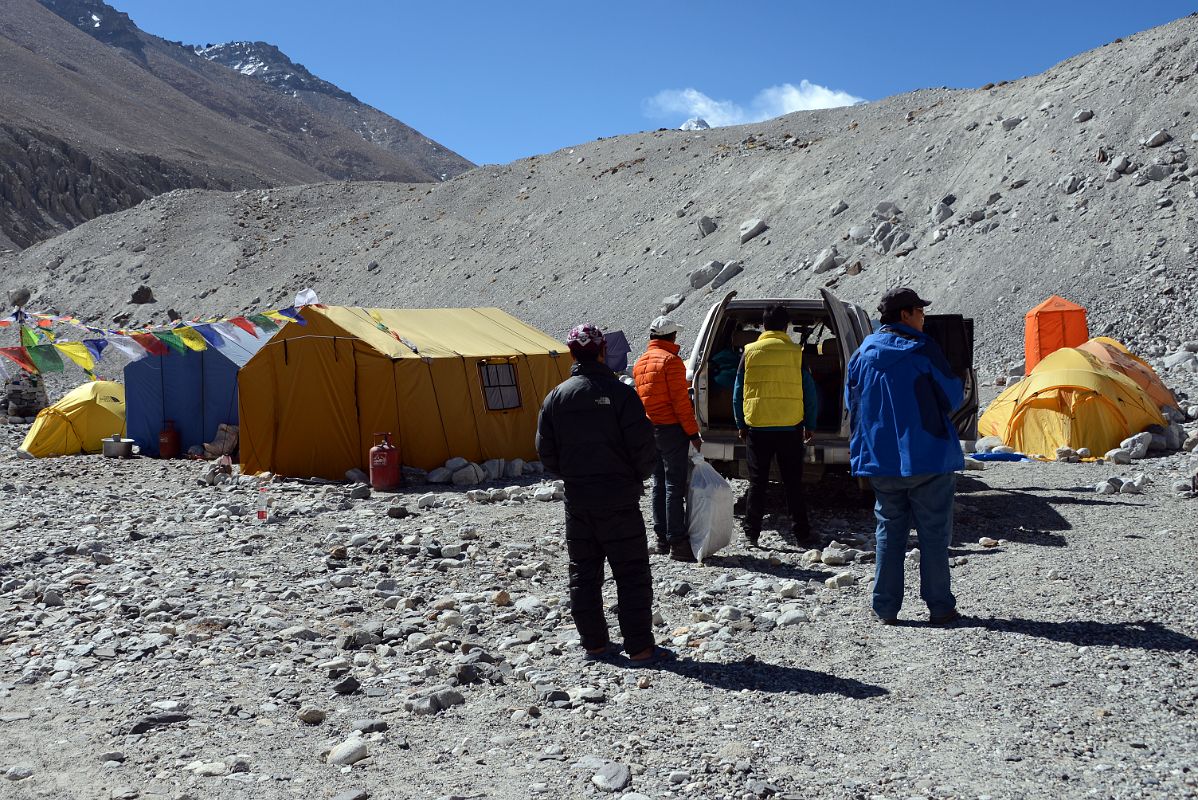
column 212, row 651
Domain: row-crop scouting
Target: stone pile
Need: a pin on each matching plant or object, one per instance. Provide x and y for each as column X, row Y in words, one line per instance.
column 23, row 395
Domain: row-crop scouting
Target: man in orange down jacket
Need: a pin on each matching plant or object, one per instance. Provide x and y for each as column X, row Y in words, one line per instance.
column 660, row 376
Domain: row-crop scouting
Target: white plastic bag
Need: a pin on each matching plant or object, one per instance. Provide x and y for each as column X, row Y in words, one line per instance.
column 709, row 508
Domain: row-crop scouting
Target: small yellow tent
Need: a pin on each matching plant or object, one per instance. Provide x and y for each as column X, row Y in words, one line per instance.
column 1117, row 357
column 443, row 382
column 1071, row 399
column 78, row 422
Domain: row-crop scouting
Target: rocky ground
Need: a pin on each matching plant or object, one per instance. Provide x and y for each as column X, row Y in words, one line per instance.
column 158, row 642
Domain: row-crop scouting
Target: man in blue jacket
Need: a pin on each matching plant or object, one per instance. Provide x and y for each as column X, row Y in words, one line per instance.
column 900, row 392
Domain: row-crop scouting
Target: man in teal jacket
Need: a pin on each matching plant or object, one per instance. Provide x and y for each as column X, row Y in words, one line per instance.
column 900, row 393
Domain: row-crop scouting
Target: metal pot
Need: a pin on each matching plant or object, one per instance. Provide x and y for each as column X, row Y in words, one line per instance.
column 116, row 447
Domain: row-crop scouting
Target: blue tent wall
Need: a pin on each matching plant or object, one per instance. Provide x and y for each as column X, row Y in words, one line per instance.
column 196, row 389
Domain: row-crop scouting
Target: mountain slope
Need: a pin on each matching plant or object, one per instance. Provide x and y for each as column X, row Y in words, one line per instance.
column 606, row 230
column 100, row 115
column 266, row 63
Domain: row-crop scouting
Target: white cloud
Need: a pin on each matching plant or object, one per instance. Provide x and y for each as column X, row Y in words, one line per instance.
column 769, row 103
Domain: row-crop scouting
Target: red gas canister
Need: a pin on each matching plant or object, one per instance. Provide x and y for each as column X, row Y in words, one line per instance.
column 168, row 441
column 384, row 464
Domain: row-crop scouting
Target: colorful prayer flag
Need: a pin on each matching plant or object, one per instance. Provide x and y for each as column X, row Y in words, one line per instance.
column 245, row 325
column 20, row 357
column 79, row 353
column 45, row 357
column 193, row 340
column 264, row 322
column 151, row 343
column 171, row 340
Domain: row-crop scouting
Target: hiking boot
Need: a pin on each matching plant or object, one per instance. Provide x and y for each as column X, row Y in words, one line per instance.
column 663, row 546
column 753, row 536
column 681, row 551
column 945, row 619
column 805, row 539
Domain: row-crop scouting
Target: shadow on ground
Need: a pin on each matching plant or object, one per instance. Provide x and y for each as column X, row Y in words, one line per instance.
column 1027, row 514
column 762, row 677
column 1089, row 633
column 758, row 564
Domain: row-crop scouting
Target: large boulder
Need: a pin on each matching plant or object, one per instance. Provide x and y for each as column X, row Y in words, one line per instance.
column 703, row 275
column 1137, row 446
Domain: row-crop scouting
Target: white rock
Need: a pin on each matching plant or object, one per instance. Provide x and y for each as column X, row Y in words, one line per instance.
column 841, row 580
column 1118, row 456
column 426, row 500
column 545, row 493
column 1137, row 446
column 825, row 261
column 439, row 475
column 751, row 228
column 348, row 752
column 796, row 616
column 1156, row 139
column 986, row 541
column 987, row 443
column 455, row 463
column 468, row 475
column 1084, row 115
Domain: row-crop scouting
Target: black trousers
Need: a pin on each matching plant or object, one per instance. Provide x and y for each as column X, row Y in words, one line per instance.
column 763, row 447
column 617, row 536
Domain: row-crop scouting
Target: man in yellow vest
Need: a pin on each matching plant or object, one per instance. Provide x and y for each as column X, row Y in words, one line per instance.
column 768, row 404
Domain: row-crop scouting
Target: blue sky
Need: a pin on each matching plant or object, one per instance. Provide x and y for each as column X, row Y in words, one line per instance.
column 497, row 81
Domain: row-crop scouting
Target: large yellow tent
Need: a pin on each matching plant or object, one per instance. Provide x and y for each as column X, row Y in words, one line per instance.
column 1117, row 357
column 443, row 382
column 1071, row 399
column 78, row 422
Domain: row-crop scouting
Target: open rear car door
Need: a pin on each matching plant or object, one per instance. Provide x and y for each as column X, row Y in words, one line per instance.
column 954, row 334
column 701, row 365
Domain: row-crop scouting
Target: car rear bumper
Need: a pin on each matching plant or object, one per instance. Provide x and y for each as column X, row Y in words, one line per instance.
column 820, row 451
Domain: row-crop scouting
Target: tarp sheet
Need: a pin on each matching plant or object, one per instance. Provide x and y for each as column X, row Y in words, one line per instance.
column 197, row 390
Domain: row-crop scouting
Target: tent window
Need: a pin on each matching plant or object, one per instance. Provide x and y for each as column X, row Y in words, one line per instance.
column 500, row 390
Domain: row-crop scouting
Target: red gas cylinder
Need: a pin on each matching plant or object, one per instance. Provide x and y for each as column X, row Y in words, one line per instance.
column 168, row 441
column 384, row 464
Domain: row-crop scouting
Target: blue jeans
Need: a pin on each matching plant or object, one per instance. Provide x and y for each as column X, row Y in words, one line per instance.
column 670, row 481
column 925, row 502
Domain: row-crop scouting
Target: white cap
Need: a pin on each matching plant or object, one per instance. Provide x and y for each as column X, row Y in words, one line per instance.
column 663, row 326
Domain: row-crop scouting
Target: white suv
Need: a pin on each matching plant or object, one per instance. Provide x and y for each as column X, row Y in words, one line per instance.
column 830, row 331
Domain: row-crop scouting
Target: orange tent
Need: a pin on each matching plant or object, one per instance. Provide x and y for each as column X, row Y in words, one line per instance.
column 1048, row 327
column 1116, row 356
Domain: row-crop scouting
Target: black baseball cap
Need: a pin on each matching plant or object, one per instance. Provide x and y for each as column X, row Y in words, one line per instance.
column 901, row 298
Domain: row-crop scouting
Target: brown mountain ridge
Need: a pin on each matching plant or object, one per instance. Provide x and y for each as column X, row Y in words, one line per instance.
column 99, row 115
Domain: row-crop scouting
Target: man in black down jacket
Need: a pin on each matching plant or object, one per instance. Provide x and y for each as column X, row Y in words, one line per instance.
column 593, row 432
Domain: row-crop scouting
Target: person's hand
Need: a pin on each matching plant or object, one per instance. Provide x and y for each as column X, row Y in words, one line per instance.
column 808, row 437
column 742, row 433
column 696, row 441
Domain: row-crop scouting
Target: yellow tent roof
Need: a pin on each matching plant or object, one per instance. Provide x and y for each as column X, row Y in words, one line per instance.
column 78, row 422
column 1071, row 399
column 431, row 332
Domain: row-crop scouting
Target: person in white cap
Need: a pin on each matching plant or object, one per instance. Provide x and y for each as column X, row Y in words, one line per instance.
column 660, row 377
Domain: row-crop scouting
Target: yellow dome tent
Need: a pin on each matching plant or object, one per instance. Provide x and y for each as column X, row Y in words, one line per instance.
column 1071, row 399
column 78, row 422
column 1117, row 357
